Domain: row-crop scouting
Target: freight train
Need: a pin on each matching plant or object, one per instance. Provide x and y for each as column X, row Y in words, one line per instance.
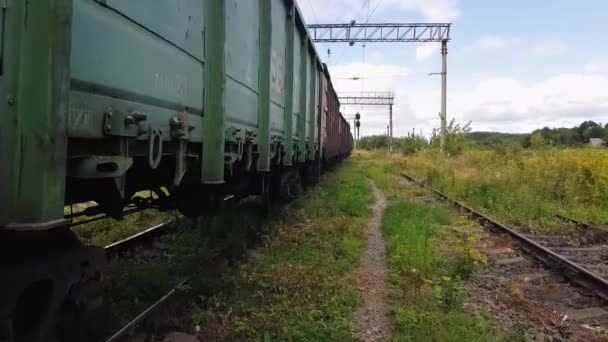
column 100, row 99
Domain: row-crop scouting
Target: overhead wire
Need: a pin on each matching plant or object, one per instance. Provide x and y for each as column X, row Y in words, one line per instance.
column 365, row 2
column 314, row 14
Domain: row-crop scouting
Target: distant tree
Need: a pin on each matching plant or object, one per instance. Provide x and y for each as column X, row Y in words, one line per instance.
column 412, row 143
column 584, row 126
column 373, row 142
column 457, row 137
column 594, row 132
column 537, row 140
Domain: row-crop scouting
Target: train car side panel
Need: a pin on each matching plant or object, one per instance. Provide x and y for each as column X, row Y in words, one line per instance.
column 277, row 67
column 304, row 81
column 242, row 62
column 265, row 49
column 181, row 22
column 297, row 89
column 33, row 115
column 323, row 103
column 153, row 72
column 312, row 110
column 290, row 99
column 212, row 165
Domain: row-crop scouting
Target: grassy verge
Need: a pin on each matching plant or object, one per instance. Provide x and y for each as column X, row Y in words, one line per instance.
column 299, row 285
column 431, row 258
column 522, row 188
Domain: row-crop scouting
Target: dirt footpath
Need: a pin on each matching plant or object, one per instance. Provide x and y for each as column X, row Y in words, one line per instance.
column 370, row 321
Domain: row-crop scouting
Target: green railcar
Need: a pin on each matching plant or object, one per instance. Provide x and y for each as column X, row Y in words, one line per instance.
column 100, row 99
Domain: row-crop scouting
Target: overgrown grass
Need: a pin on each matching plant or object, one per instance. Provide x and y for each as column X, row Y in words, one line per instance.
column 106, row 231
column 431, row 257
column 523, row 188
column 297, row 284
column 301, row 287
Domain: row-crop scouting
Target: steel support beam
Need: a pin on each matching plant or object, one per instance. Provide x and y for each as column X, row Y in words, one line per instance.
column 385, row 32
column 367, row 98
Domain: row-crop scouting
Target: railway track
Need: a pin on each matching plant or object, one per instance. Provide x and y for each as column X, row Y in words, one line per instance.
column 117, row 248
column 516, row 256
column 145, row 238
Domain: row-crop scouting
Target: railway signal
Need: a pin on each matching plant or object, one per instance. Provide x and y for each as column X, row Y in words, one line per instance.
column 372, row 99
column 357, row 126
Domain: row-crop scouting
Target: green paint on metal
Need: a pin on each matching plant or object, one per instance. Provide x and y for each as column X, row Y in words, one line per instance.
column 242, row 63
column 277, row 68
column 179, row 21
column 289, row 93
column 34, row 110
column 213, row 116
column 130, row 62
column 264, row 91
column 2, row 10
column 303, row 98
column 312, row 108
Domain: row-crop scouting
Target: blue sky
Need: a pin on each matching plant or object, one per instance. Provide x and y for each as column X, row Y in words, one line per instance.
column 513, row 66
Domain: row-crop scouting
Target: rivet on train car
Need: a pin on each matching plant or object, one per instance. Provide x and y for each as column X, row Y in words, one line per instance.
column 11, row 101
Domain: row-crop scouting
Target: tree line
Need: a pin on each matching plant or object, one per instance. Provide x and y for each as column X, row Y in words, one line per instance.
column 460, row 137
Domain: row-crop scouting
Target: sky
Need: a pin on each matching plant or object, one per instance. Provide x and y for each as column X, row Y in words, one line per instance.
column 513, row 66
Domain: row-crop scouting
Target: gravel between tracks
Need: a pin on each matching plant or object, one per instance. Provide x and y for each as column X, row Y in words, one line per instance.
column 370, row 321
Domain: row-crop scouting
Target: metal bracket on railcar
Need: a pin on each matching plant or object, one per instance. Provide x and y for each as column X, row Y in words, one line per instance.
column 234, row 146
column 180, row 131
column 248, row 155
column 276, row 148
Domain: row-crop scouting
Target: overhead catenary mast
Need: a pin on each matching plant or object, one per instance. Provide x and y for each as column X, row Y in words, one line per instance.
column 353, row 32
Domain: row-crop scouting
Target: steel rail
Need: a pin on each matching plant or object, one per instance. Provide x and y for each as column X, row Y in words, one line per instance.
column 571, row 270
column 126, row 329
column 119, row 247
column 103, row 217
column 581, row 223
column 115, row 249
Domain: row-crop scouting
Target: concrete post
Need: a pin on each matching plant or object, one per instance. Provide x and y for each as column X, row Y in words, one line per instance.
column 390, row 130
column 444, row 74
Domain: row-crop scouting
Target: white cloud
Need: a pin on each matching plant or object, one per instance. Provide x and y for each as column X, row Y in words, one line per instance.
column 500, row 104
column 545, row 48
column 431, row 10
column 493, row 42
column 507, row 104
column 368, row 77
column 345, row 10
column 597, row 66
column 425, row 51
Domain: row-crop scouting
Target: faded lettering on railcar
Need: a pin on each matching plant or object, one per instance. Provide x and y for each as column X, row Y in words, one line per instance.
column 277, row 72
column 178, row 84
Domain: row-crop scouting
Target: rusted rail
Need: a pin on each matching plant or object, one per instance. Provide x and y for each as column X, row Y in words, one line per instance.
column 573, row 271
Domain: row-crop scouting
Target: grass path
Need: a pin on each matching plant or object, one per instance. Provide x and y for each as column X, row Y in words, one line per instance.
column 370, row 322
